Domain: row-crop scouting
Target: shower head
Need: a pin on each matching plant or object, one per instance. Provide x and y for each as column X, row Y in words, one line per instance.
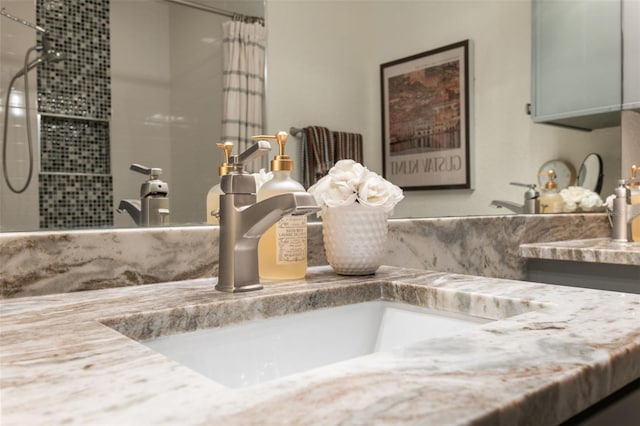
column 53, row 56
column 48, row 56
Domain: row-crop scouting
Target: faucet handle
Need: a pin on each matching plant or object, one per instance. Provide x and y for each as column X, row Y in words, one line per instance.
column 524, row 185
column 257, row 150
column 239, row 181
column 152, row 172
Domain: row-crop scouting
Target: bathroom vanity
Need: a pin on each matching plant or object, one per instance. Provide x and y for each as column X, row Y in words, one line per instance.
column 599, row 263
column 547, row 353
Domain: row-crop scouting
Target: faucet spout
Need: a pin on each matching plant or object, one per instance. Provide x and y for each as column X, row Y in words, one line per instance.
column 133, row 207
column 242, row 223
column 516, row 208
column 267, row 212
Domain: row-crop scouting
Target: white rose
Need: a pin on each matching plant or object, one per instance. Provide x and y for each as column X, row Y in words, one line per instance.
column 347, row 173
column 576, row 196
column 348, row 182
column 375, row 191
column 591, row 202
column 609, row 202
column 329, row 193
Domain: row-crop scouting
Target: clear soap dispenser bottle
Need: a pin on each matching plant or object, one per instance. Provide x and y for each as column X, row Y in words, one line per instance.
column 634, row 188
column 550, row 199
column 282, row 250
column 213, row 196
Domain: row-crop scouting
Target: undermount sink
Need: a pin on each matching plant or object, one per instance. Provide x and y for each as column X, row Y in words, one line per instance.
column 258, row 351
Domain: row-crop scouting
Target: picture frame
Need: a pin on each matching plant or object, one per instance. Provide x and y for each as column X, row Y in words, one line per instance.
column 425, row 119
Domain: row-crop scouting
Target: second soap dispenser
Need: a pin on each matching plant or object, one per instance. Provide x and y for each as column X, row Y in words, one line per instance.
column 550, row 199
column 282, row 250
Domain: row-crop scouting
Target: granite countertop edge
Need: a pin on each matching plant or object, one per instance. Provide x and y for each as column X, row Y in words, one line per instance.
column 593, row 250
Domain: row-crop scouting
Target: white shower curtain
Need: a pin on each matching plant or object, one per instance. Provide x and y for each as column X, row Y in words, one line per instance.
column 244, row 56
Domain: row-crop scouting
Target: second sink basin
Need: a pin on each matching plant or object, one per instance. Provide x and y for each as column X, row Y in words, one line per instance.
column 257, row 351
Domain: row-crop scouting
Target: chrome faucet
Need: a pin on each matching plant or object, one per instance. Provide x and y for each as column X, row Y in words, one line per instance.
column 623, row 211
column 243, row 221
column 531, row 200
column 152, row 209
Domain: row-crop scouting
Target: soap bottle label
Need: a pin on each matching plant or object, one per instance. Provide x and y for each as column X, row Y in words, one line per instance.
column 291, row 240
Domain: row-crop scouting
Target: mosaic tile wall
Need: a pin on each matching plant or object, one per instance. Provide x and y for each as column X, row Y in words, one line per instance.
column 80, row 85
column 75, row 201
column 74, row 102
column 74, row 146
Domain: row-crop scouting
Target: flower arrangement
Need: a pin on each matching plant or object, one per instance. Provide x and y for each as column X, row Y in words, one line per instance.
column 578, row 198
column 350, row 182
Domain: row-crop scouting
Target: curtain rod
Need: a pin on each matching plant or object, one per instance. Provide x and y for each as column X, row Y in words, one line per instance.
column 211, row 9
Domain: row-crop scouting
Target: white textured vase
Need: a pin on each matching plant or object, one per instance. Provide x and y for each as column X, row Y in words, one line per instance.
column 354, row 238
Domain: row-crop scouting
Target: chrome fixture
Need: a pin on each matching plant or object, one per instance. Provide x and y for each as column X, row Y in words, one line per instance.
column 623, row 211
column 243, row 221
column 47, row 55
column 152, row 209
column 531, row 200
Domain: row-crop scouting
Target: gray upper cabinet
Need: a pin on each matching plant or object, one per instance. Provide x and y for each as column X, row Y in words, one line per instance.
column 631, row 54
column 577, row 63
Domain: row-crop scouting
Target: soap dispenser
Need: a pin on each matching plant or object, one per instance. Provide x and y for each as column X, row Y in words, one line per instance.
column 213, row 196
column 550, row 200
column 634, row 187
column 282, row 250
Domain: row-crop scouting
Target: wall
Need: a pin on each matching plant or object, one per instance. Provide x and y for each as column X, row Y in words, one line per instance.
column 196, row 109
column 17, row 211
column 166, row 93
column 324, row 59
column 169, row 99
column 141, row 95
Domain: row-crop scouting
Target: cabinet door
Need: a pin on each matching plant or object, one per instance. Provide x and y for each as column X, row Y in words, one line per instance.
column 577, row 63
column 631, row 43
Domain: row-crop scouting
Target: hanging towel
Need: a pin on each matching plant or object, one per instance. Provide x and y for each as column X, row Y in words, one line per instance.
column 317, row 154
column 347, row 146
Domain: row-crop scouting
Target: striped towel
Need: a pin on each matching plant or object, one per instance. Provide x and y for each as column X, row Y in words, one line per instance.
column 317, row 154
column 347, row 146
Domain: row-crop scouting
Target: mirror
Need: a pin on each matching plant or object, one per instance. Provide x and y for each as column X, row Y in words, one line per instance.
column 590, row 173
column 311, row 82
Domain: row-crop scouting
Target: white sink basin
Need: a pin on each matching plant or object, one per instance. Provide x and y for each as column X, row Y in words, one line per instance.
column 257, row 351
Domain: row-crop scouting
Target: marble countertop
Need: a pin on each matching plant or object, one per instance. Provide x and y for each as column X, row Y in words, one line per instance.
column 550, row 352
column 598, row 250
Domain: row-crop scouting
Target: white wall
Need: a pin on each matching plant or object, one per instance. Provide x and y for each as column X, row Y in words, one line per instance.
column 167, row 99
column 140, row 96
column 18, row 211
column 324, row 59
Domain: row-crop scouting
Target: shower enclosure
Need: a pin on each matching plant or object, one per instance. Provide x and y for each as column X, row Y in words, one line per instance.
column 160, row 105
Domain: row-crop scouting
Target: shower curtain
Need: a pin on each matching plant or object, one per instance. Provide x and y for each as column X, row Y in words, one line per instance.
column 244, row 56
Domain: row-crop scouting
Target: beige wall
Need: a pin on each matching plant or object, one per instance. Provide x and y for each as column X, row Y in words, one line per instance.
column 18, row 211
column 324, row 59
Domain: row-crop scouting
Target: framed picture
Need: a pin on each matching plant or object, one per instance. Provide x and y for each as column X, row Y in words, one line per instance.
column 425, row 119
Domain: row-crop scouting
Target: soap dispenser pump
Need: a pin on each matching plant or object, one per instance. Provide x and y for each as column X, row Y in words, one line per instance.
column 282, row 250
column 550, row 200
column 213, row 196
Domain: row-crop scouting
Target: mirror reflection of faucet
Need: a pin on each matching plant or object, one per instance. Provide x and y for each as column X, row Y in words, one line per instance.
column 152, row 209
column 243, row 221
column 531, row 200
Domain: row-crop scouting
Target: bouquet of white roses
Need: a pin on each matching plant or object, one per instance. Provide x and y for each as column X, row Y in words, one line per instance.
column 349, row 182
column 576, row 197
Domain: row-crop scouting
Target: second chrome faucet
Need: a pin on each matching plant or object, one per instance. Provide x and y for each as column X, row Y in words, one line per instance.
column 243, row 221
